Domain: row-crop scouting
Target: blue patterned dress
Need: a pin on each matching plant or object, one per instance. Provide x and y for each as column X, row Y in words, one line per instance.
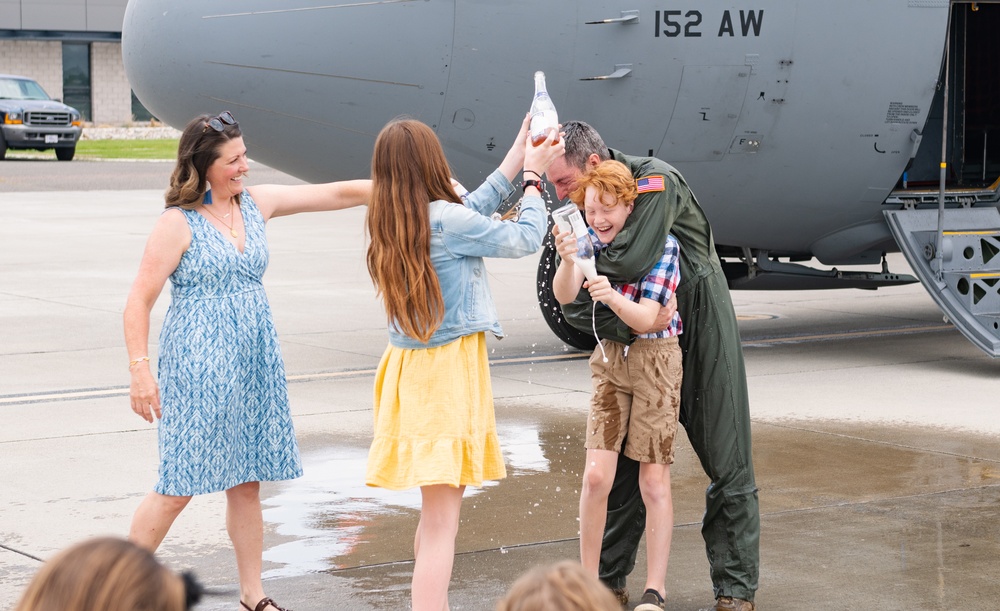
column 226, row 419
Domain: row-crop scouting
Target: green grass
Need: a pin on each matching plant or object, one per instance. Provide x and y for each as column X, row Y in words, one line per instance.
column 126, row 149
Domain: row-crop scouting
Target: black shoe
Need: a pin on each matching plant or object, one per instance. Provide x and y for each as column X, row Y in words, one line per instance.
column 650, row 601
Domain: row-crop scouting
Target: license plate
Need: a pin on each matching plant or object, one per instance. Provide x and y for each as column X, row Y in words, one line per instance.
column 51, row 138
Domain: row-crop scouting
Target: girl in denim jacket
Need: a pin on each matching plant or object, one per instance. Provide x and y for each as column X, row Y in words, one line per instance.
column 434, row 421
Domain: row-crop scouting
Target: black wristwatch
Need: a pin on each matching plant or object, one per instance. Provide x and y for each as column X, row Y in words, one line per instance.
column 538, row 184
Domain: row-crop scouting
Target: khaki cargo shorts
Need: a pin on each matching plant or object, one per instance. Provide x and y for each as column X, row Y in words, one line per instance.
column 637, row 394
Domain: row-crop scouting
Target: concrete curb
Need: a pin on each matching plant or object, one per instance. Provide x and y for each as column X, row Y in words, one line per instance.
column 129, row 133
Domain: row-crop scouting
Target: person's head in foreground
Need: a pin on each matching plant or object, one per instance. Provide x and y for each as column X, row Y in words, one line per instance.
column 107, row 574
column 564, row 586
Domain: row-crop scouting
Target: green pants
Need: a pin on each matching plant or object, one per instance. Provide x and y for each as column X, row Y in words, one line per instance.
column 715, row 412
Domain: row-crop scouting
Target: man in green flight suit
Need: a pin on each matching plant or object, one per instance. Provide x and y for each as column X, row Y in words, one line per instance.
column 715, row 408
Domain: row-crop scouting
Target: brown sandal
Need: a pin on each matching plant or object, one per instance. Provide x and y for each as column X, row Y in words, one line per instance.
column 264, row 602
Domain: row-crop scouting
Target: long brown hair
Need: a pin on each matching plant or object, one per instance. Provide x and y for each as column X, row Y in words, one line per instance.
column 409, row 171
column 197, row 150
column 104, row 574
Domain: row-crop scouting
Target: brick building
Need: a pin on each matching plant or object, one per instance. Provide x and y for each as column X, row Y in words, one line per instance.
column 73, row 49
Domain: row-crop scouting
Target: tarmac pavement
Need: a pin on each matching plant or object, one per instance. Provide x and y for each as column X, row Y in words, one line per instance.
column 875, row 426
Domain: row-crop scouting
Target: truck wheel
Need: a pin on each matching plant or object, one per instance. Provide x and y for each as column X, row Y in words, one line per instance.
column 3, row 148
column 66, row 153
column 551, row 311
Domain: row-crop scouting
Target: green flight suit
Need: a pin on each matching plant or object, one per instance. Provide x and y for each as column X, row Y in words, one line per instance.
column 715, row 408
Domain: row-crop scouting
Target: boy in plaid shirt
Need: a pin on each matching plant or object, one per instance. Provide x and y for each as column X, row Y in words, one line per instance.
column 636, row 386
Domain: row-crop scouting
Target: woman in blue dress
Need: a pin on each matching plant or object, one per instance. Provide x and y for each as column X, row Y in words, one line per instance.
column 222, row 402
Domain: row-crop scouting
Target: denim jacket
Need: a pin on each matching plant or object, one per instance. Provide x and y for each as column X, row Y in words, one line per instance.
column 461, row 235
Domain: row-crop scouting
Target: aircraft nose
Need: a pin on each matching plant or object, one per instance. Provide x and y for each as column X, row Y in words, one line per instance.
column 323, row 78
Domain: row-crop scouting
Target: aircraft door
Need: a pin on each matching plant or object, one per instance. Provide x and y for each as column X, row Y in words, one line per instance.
column 709, row 102
column 964, row 277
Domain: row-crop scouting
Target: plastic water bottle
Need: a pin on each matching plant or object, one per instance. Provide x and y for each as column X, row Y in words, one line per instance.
column 543, row 112
column 568, row 218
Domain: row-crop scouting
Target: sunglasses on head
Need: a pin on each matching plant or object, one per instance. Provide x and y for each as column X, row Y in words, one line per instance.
column 220, row 122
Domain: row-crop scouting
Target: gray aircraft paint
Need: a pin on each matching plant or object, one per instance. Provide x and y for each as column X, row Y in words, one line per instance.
column 792, row 121
column 313, row 86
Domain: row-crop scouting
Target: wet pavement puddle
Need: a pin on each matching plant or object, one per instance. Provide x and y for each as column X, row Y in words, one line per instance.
column 331, row 520
column 900, row 513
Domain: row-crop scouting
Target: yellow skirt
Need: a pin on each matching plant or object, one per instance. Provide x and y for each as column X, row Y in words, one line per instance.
column 434, row 421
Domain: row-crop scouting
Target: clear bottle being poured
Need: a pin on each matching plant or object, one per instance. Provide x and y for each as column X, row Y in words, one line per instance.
column 568, row 218
column 544, row 117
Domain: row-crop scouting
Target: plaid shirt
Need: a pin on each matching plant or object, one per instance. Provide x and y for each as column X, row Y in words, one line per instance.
column 659, row 285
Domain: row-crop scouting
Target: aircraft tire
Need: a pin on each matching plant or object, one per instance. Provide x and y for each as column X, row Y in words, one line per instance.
column 550, row 307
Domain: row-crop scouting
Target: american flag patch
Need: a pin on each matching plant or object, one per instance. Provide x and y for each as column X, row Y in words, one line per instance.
column 649, row 184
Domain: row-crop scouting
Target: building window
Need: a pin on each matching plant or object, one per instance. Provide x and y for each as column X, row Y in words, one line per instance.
column 139, row 112
column 76, row 77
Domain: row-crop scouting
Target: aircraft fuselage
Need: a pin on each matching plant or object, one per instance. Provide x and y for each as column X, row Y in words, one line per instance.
column 792, row 121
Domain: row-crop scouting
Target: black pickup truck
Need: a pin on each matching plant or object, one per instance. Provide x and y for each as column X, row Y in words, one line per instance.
column 30, row 119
